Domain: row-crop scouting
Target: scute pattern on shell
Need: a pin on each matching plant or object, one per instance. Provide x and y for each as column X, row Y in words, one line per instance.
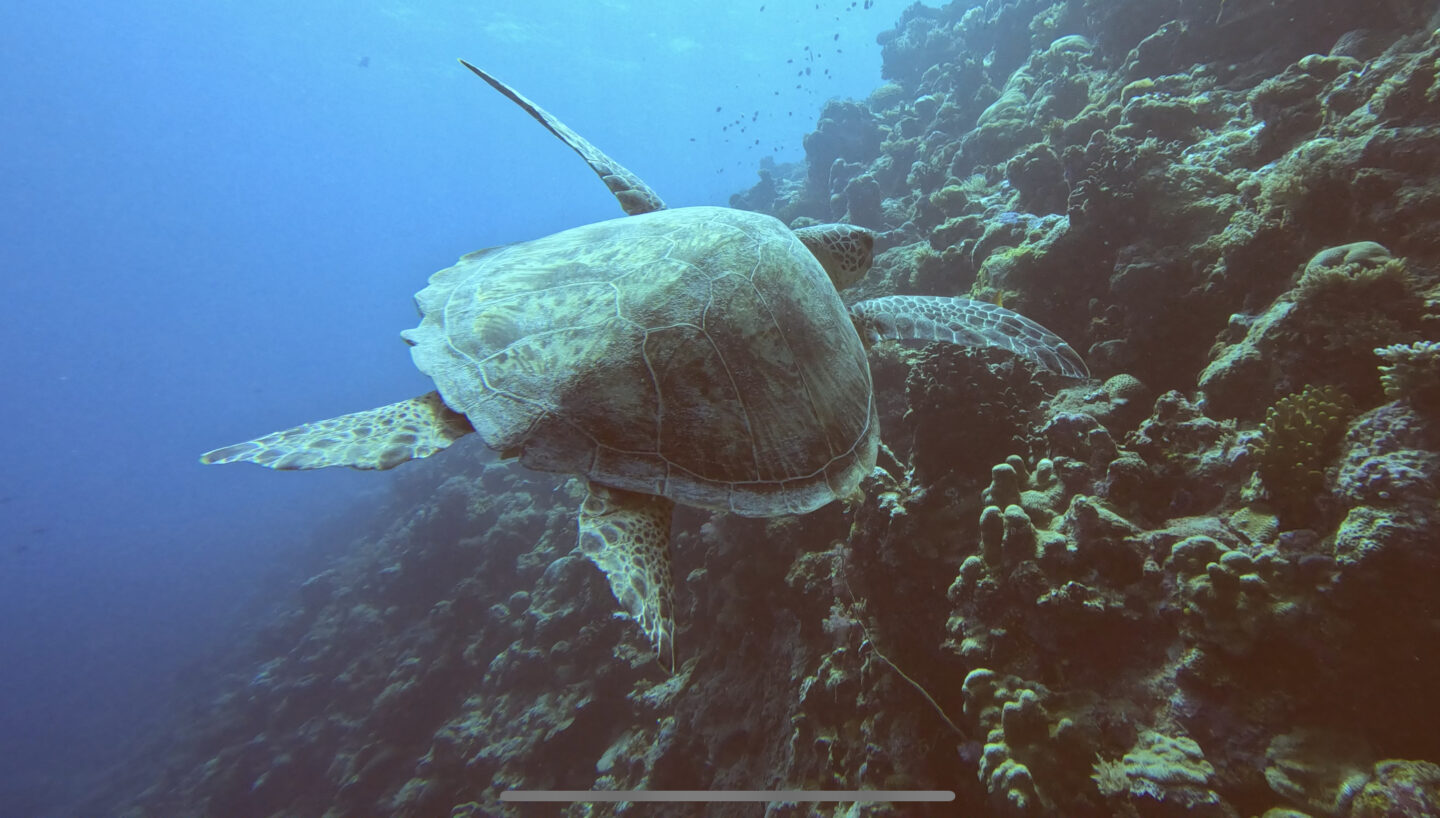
column 698, row 353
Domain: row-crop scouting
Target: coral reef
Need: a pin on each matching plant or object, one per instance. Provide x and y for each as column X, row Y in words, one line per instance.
column 1074, row 603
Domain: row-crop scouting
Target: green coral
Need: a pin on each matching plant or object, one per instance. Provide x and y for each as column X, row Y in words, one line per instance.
column 1297, row 441
column 1412, row 373
column 1399, row 789
column 886, row 97
column 1335, row 278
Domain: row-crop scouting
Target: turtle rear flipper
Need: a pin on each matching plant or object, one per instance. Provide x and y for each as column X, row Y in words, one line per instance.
column 380, row 438
column 968, row 323
column 627, row 535
column 634, row 195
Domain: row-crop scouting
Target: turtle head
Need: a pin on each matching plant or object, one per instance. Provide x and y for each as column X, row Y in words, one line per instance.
column 844, row 250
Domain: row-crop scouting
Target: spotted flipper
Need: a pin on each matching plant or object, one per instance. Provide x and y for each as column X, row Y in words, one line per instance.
column 380, row 438
column 627, row 535
column 635, row 196
column 965, row 322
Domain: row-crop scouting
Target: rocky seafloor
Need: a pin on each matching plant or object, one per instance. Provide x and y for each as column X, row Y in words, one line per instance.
column 1206, row 582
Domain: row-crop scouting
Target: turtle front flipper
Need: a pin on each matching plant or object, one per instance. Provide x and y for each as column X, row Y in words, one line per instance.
column 380, row 438
column 627, row 535
column 635, row 196
column 966, row 322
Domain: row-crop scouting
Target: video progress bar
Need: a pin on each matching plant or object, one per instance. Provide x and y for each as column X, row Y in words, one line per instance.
column 580, row 796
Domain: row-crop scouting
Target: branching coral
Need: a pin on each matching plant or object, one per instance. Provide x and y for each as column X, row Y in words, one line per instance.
column 1297, row 441
column 1412, row 373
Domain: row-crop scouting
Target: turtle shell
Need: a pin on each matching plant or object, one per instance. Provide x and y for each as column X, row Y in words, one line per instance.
column 698, row 353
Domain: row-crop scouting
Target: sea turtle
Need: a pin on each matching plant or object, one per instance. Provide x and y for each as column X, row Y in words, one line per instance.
column 697, row 355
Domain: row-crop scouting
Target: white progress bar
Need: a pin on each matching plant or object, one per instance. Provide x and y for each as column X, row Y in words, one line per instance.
column 609, row 796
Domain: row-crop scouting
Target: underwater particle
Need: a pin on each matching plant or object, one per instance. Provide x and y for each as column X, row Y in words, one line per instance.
column 717, row 109
column 692, row 139
column 836, row 37
column 762, row 8
column 757, row 141
column 791, row 60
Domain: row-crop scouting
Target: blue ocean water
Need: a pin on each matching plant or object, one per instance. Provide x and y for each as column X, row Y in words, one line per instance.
column 215, row 216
